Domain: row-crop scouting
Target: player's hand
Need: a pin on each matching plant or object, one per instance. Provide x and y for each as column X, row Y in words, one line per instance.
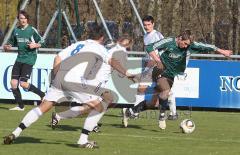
column 226, row 53
column 33, row 45
column 7, row 47
column 160, row 66
column 132, row 77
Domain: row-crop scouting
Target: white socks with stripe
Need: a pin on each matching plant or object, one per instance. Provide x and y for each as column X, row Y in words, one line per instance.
column 31, row 117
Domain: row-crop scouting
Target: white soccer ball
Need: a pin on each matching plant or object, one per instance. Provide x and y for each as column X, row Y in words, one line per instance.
column 187, row 126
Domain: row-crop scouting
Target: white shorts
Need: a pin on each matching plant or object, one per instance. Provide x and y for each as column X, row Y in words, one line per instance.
column 58, row 96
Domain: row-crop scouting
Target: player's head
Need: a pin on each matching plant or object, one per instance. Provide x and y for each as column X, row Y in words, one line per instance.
column 125, row 41
column 23, row 18
column 148, row 23
column 96, row 33
column 184, row 39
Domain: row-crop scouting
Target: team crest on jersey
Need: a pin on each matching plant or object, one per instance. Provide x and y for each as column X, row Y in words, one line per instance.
column 174, row 56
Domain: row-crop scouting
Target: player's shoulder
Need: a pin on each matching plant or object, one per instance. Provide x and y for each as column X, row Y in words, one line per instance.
column 117, row 48
column 167, row 40
column 33, row 29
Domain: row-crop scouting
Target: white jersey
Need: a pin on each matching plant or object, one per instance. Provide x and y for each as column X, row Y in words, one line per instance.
column 152, row 37
column 75, row 80
column 118, row 52
column 93, row 54
column 83, row 71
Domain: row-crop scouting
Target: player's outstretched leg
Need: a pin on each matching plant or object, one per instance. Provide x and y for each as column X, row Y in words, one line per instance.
column 31, row 117
column 90, row 122
column 133, row 113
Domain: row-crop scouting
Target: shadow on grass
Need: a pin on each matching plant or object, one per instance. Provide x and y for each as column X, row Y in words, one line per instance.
column 66, row 128
column 139, row 127
column 73, row 145
column 77, row 146
column 22, row 140
column 111, row 115
column 4, row 108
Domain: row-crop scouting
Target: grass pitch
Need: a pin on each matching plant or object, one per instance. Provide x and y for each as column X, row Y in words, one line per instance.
column 217, row 133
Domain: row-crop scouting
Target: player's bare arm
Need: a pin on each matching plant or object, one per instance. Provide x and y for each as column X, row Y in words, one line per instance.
column 226, row 53
column 7, row 47
column 156, row 59
column 56, row 64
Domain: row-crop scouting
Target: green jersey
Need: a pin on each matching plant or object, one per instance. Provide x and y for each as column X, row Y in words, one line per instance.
column 20, row 38
column 173, row 57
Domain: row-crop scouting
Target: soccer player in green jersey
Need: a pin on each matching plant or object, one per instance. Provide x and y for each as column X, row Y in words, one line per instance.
column 28, row 40
column 170, row 61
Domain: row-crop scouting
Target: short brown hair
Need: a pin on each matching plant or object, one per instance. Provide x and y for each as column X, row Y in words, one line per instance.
column 125, row 37
column 186, row 35
column 96, row 31
column 148, row 18
column 23, row 13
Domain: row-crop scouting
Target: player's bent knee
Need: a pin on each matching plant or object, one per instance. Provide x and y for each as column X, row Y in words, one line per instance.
column 14, row 83
column 45, row 106
column 164, row 95
column 24, row 85
column 107, row 97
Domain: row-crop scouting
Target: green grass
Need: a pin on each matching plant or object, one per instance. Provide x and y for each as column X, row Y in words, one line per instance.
column 217, row 133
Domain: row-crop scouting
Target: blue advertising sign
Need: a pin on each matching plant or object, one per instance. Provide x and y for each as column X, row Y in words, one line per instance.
column 219, row 85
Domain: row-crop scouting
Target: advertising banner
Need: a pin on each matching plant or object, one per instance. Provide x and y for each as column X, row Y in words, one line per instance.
column 205, row 83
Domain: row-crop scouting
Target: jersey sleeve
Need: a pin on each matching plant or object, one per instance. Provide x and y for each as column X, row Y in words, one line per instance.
column 37, row 38
column 12, row 40
column 69, row 51
column 160, row 35
column 198, row 47
column 161, row 44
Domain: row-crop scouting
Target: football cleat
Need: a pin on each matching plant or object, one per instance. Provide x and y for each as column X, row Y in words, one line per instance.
column 162, row 124
column 17, row 109
column 89, row 145
column 54, row 121
column 9, row 139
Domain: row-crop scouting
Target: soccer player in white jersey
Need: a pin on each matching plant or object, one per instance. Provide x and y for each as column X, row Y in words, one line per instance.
column 118, row 56
column 150, row 37
column 72, row 81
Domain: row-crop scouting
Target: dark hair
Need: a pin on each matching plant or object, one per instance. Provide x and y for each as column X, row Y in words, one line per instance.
column 96, row 32
column 186, row 35
column 148, row 18
column 125, row 37
column 23, row 13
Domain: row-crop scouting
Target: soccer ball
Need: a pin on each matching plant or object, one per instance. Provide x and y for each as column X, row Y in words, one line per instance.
column 187, row 126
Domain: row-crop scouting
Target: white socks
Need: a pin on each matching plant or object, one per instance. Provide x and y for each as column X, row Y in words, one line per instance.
column 31, row 117
column 90, row 122
column 172, row 104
